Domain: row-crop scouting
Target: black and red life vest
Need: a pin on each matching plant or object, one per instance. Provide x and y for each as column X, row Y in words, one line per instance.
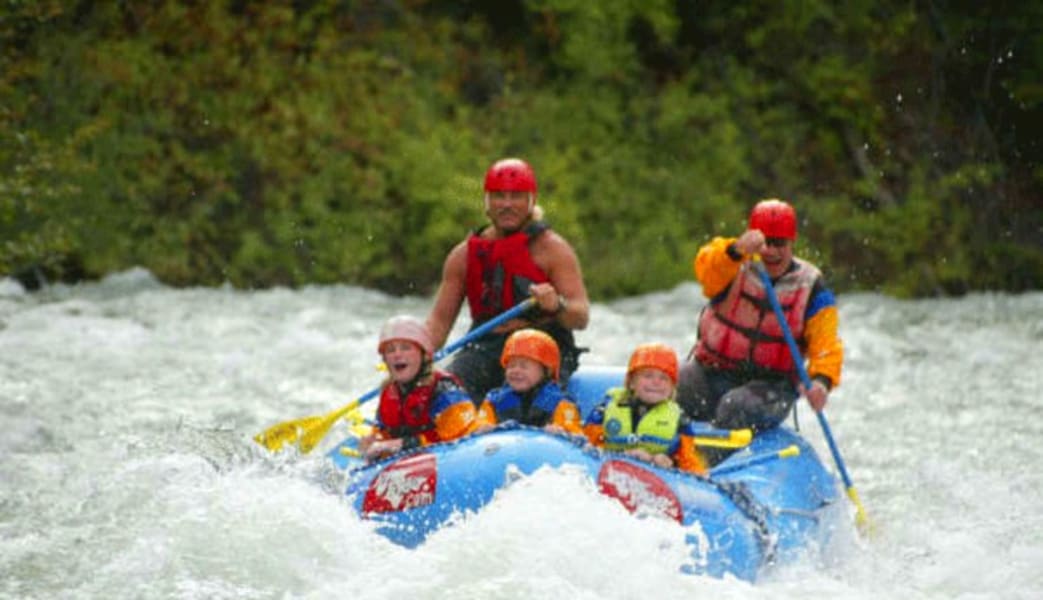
column 500, row 271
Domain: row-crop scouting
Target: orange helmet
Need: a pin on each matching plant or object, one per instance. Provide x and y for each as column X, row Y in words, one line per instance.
column 654, row 356
column 408, row 328
column 534, row 344
column 775, row 219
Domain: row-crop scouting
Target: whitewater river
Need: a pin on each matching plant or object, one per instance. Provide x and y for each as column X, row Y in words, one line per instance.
column 127, row 468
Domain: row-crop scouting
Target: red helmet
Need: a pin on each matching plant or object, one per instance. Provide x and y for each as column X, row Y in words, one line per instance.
column 775, row 219
column 408, row 328
column 654, row 356
column 534, row 344
column 510, row 175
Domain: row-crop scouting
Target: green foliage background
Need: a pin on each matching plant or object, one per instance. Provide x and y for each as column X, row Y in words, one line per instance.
column 286, row 143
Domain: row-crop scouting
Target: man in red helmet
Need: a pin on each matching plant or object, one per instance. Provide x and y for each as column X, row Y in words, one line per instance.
column 513, row 257
column 740, row 372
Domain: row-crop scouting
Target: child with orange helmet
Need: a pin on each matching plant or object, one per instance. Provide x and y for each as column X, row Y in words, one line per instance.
column 642, row 419
column 419, row 404
column 530, row 394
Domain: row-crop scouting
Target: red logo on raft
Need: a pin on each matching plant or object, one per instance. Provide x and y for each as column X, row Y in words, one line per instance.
column 638, row 488
column 404, row 484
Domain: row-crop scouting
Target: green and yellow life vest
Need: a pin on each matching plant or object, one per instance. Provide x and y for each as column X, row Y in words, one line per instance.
column 656, row 431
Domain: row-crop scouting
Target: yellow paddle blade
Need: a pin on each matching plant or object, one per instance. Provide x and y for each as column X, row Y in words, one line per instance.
column 287, row 432
column 306, row 432
column 861, row 518
column 737, row 438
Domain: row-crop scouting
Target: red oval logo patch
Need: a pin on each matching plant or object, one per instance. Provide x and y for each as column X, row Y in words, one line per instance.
column 404, row 484
column 638, row 488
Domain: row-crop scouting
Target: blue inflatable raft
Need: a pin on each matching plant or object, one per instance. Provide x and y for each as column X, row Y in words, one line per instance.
column 765, row 504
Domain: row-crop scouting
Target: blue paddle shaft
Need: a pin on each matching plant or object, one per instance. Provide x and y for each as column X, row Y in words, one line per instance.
column 702, row 429
column 486, row 327
column 798, row 360
column 756, row 459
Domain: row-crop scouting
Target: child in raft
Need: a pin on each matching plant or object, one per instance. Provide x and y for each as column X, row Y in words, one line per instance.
column 642, row 419
column 419, row 404
column 530, row 394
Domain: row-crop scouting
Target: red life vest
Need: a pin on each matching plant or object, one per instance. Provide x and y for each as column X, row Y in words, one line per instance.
column 402, row 417
column 741, row 331
column 500, row 271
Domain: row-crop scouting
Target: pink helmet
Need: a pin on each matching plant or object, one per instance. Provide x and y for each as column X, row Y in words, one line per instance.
column 775, row 219
column 408, row 328
column 510, row 175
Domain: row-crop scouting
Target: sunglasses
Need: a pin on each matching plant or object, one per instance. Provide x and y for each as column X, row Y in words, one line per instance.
column 776, row 242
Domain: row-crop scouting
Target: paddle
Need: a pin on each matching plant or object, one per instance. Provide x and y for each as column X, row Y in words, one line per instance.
column 309, row 431
column 756, row 459
column 861, row 519
column 709, row 436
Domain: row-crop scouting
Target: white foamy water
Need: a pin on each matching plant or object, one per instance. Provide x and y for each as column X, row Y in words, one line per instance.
column 127, row 468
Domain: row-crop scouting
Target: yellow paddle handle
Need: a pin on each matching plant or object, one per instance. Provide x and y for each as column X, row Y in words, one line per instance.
column 737, row 438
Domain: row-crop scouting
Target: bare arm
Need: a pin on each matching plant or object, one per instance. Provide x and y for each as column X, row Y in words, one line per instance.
column 450, row 295
column 557, row 258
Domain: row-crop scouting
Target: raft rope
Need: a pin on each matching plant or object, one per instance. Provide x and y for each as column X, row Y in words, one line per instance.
column 756, row 512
